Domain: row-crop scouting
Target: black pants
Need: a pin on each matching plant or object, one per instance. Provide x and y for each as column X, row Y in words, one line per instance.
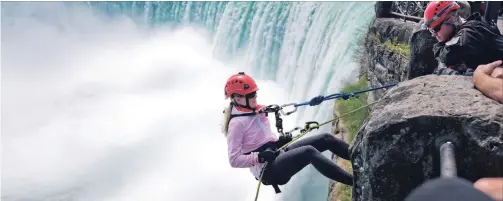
column 308, row 151
column 447, row 189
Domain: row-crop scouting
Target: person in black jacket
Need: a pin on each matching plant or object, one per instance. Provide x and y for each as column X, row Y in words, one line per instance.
column 462, row 44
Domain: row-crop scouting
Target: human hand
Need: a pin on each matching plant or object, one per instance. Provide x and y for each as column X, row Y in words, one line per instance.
column 483, row 71
column 497, row 73
column 487, row 68
column 284, row 139
column 267, row 156
column 491, row 186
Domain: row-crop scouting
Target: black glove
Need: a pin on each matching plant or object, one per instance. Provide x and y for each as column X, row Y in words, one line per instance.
column 284, row 139
column 267, row 155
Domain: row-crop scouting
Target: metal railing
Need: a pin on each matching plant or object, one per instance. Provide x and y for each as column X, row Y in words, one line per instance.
column 408, row 10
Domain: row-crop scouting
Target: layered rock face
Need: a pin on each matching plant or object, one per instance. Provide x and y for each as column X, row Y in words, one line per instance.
column 395, row 151
column 384, row 66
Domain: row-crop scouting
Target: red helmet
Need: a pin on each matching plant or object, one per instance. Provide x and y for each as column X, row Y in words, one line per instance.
column 240, row 84
column 436, row 12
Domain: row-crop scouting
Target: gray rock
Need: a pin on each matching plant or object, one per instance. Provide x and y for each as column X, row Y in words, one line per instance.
column 422, row 61
column 383, row 8
column 394, row 150
column 385, row 66
column 391, row 29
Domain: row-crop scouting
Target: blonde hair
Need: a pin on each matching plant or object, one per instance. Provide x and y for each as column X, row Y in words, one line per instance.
column 227, row 116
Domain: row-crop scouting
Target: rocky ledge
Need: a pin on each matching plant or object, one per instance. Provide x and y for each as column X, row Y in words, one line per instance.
column 395, row 151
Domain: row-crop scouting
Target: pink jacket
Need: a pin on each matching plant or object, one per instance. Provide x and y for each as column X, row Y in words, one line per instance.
column 245, row 134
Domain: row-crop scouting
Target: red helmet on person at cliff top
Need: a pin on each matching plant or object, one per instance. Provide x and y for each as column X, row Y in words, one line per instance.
column 436, row 12
column 240, row 84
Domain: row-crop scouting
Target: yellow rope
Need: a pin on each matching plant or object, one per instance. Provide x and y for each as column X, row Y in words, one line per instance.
column 304, row 132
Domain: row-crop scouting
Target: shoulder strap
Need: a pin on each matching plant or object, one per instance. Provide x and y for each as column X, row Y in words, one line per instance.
column 241, row 115
column 245, row 114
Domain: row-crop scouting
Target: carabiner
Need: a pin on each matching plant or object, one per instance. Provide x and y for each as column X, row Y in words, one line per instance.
column 288, row 113
column 291, row 131
column 308, row 126
column 271, row 108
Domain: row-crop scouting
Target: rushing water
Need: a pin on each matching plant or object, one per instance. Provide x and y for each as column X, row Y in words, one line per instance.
column 119, row 100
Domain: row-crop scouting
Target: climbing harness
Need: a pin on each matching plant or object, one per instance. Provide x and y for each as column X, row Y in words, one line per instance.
column 311, row 125
column 268, row 109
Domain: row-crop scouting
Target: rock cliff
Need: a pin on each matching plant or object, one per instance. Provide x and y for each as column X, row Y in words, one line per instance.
column 395, row 152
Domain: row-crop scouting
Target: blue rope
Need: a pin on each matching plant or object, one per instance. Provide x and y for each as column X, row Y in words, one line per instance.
column 319, row 99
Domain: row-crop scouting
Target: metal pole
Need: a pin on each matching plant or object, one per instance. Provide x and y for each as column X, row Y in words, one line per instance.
column 447, row 160
column 410, row 18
